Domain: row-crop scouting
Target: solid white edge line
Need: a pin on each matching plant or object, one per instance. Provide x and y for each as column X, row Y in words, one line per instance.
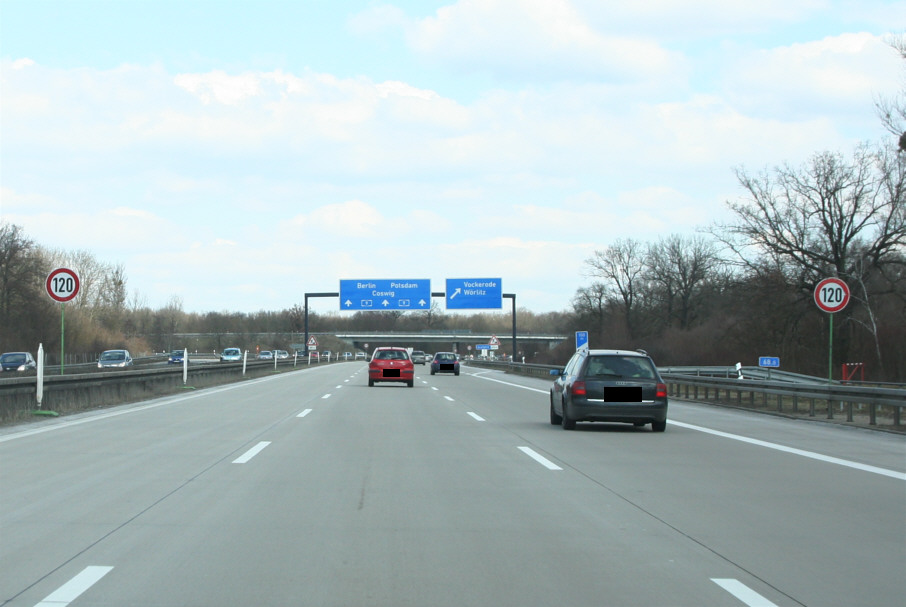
column 245, row 457
column 816, row 456
column 476, row 416
column 304, row 413
column 743, row 593
column 506, row 383
column 540, row 459
column 71, row 590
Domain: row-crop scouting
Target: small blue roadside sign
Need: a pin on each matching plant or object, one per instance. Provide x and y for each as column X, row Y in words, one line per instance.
column 474, row 293
column 379, row 295
column 483, row 347
column 769, row 361
column 581, row 339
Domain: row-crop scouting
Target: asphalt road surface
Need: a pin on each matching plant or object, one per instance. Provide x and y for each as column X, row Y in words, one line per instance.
column 311, row 489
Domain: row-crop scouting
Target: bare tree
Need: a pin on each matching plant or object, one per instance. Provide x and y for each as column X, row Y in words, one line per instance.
column 682, row 267
column 621, row 268
column 893, row 111
column 590, row 305
column 823, row 217
column 23, row 304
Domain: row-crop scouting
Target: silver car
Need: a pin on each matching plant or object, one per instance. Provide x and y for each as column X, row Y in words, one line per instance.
column 114, row 358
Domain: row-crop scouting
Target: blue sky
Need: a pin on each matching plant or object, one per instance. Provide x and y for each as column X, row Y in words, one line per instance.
column 239, row 154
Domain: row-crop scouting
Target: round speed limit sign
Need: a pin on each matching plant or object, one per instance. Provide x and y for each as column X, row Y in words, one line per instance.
column 832, row 295
column 62, row 284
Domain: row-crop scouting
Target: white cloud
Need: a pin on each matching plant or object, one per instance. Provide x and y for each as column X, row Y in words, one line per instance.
column 693, row 19
column 18, row 64
column 542, row 38
column 354, row 219
column 836, row 73
column 219, row 86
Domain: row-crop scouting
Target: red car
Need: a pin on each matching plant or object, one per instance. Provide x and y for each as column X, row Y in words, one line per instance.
column 391, row 364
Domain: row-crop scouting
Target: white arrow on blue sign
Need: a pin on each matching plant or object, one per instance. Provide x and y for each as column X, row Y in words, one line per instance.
column 392, row 294
column 474, row 293
column 581, row 339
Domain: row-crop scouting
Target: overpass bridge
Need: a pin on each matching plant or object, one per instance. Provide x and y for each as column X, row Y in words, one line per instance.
column 456, row 340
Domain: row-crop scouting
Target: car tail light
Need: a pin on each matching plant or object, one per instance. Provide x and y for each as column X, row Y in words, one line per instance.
column 579, row 388
column 661, row 391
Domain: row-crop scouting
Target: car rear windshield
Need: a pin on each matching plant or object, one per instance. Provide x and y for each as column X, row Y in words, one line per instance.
column 636, row 367
column 392, row 355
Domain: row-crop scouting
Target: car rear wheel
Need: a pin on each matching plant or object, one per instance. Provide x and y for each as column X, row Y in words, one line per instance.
column 432, row 371
column 556, row 420
column 370, row 383
column 565, row 421
column 659, row 426
column 410, row 383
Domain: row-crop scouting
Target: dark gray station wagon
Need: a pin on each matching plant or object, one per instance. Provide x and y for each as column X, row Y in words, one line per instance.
column 609, row 386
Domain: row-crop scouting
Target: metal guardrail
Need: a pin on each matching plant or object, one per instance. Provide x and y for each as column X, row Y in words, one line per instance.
column 788, row 397
column 78, row 392
column 793, row 394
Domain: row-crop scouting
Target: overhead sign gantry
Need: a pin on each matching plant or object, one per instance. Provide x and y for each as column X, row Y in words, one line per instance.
column 415, row 294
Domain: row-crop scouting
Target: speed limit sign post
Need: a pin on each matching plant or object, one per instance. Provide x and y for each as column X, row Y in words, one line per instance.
column 831, row 296
column 62, row 286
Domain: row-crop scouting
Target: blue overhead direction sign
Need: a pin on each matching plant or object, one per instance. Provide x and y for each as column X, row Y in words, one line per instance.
column 386, row 294
column 474, row 293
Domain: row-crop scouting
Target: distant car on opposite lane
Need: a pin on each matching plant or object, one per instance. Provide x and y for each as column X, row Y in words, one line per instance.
column 281, row 354
column 445, row 362
column 176, row 357
column 390, row 364
column 265, row 355
column 230, row 355
column 114, row 358
column 609, row 386
column 17, row 361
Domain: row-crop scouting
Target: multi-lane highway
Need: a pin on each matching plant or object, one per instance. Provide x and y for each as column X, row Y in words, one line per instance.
column 309, row 488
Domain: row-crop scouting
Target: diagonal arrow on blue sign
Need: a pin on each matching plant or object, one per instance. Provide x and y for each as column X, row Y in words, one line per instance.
column 474, row 293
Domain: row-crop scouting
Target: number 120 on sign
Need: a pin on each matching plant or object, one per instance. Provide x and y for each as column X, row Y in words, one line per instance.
column 832, row 295
column 62, row 284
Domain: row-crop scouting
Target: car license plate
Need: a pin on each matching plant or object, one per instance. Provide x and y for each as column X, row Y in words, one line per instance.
column 623, row 394
column 391, row 372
